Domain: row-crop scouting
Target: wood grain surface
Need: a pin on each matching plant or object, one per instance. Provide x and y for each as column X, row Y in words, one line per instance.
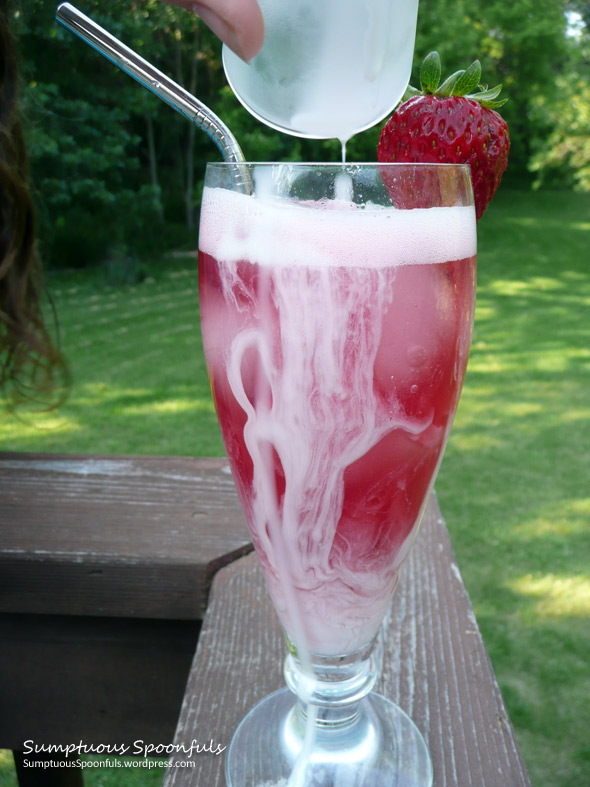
column 105, row 568
column 66, row 678
column 435, row 667
column 119, row 536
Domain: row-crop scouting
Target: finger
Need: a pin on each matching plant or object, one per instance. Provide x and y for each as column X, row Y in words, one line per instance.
column 238, row 23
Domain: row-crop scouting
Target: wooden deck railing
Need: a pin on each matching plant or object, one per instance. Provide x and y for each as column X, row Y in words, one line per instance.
column 108, row 567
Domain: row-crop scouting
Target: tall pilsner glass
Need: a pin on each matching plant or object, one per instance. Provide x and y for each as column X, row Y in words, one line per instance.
column 336, row 305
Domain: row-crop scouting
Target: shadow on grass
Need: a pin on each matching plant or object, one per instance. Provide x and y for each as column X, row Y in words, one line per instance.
column 106, row 418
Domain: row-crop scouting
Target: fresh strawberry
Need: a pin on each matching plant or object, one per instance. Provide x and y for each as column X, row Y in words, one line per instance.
column 454, row 123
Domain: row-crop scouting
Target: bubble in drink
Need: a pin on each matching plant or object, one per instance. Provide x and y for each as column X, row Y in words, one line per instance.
column 328, row 68
column 336, row 340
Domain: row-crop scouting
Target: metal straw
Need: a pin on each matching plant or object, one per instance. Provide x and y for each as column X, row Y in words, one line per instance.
column 157, row 82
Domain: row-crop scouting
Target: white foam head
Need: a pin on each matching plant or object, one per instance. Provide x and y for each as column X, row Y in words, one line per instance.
column 285, row 232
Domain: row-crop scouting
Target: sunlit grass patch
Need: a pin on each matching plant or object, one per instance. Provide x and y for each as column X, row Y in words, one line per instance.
column 476, row 442
column 556, row 596
column 171, row 406
column 139, row 379
column 525, row 286
column 20, row 425
column 565, row 518
column 100, row 393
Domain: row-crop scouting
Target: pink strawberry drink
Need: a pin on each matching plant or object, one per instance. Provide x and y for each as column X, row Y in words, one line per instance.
column 336, row 340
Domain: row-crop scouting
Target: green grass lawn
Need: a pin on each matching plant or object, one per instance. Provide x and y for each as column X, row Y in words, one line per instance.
column 134, row 772
column 514, row 485
column 139, row 379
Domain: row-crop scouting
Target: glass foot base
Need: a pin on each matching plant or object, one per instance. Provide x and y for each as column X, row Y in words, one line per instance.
column 381, row 748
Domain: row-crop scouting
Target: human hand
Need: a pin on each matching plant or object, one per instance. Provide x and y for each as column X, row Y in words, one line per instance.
column 238, row 23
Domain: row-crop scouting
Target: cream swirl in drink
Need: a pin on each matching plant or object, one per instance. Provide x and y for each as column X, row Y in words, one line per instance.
column 336, row 339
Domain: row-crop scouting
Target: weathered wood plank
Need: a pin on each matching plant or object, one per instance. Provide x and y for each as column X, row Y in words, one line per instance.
column 435, row 667
column 118, row 536
column 104, row 680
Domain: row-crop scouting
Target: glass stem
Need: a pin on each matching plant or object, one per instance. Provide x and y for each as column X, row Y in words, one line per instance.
column 335, row 689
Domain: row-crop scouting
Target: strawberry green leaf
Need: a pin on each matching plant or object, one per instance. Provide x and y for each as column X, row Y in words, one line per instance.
column 469, row 80
column 488, row 95
column 446, row 89
column 410, row 92
column 430, row 73
column 464, row 83
column 493, row 104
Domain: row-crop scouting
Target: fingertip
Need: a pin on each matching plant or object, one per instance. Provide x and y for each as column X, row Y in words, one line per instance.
column 253, row 34
column 239, row 24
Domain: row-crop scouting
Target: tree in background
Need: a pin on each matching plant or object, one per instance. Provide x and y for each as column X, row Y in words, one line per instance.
column 116, row 169
column 521, row 45
column 112, row 165
column 562, row 158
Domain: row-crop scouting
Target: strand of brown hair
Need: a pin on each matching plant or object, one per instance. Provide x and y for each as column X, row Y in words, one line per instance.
column 32, row 369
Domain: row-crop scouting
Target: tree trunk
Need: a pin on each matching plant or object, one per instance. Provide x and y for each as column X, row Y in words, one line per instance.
column 190, row 151
column 154, row 166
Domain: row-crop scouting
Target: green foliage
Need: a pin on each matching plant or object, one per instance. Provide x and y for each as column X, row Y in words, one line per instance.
column 521, row 45
column 113, row 166
column 97, row 183
column 562, row 159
